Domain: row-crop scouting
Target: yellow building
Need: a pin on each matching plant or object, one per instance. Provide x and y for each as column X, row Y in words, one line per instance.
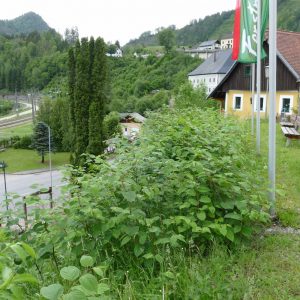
column 234, row 91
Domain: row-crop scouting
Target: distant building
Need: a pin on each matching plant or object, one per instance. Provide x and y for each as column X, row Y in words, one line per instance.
column 118, row 53
column 234, row 91
column 131, row 124
column 227, row 42
column 210, row 45
column 203, row 54
column 211, row 72
column 204, row 50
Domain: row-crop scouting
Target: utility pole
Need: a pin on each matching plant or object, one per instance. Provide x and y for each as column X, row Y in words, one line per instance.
column 272, row 97
column 3, row 165
column 258, row 77
column 253, row 97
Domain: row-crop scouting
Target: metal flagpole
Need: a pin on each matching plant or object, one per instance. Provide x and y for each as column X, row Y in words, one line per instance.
column 253, row 97
column 258, row 77
column 272, row 97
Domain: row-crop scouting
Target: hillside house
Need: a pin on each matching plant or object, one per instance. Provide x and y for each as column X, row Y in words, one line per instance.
column 204, row 50
column 131, row 124
column 210, row 45
column 212, row 71
column 234, row 91
column 227, row 42
column 118, row 53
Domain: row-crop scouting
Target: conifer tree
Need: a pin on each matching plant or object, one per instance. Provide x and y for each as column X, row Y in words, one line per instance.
column 40, row 140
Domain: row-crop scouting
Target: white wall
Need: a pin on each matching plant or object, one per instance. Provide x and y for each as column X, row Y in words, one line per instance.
column 209, row 80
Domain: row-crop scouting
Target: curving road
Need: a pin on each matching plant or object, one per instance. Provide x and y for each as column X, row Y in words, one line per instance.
column 22, row 184
column 23, row 113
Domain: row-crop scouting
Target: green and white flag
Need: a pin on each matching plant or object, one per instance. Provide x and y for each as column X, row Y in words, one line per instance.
column 245, row 30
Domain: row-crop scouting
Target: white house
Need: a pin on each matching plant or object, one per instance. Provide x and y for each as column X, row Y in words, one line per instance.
column 203, row 54
column 213, row 70
column 210, row 45
column 227, row 42
column 205, row 49
column 118, row 53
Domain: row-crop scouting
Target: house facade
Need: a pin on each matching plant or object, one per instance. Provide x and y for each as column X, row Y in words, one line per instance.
column 234, row 91
column 212, row 71
column 227, row 42
column 210, row 45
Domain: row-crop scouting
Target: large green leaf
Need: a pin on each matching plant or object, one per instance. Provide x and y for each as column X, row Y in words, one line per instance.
column 19, row 251
column 30, row 251
column 75, row 295
column 70, row 273
column 21, row 278
column 89, row 282
column 102, row 288
column 86, row 261
column 233, row 216
column 52, row 292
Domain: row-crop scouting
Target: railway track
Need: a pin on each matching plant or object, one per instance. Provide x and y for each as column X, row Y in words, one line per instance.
column 14, row 122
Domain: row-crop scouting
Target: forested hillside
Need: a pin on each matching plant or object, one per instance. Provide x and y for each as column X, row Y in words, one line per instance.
column 31, row 61
column 24, row 24
column 220, row 24
column 141, row 84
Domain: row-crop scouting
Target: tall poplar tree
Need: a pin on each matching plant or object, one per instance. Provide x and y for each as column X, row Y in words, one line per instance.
column 89, row 93
column 99, row 99
column 71, row 82
column 82, row 98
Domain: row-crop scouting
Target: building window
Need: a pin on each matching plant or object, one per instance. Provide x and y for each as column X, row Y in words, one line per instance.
column 238, row 102
column 262, row 104
column 286, row 104
column 247, row 70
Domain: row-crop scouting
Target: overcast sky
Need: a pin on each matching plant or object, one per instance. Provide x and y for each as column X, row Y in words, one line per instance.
column 115, row 19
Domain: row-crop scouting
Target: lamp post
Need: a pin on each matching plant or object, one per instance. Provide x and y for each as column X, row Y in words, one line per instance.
column 50, row 161
column 3, row 165
column 267, row 75
column 298, row 82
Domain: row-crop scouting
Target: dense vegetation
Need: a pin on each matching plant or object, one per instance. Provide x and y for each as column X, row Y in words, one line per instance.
column 219, row 25
column 147, row 84
column 5, row 106
column 31, row 61
column 174, row 192
column 25, row 24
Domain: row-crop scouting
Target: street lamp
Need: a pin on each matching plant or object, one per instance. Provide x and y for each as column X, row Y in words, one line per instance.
column 298, row 82
column 3, row 165
column 267, row 74
column 50, row 161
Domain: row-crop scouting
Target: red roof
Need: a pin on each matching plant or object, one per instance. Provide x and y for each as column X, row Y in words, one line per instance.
column 288, row 44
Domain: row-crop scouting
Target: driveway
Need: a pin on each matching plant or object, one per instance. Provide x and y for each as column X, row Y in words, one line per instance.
column 22, row 183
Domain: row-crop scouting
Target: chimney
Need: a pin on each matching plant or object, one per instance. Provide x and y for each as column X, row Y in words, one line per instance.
column 215, row 56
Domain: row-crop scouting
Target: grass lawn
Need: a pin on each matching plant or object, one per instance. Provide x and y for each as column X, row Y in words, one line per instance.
column 21, row 130
column 288, row 176
column 21, row 160
column 268, row 269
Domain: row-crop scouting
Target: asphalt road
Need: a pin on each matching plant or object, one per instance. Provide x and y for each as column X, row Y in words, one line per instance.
column 22, row 184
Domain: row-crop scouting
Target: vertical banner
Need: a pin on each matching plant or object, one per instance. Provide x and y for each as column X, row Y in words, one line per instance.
column 246, row 30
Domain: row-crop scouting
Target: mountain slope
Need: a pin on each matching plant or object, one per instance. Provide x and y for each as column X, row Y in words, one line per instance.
column 24, row 24
column 218, row 25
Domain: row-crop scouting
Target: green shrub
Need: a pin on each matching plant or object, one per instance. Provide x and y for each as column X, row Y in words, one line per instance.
column 190, row 179
column 187, row 96
column 24, row 142
column 6, row 106
column 111, row 124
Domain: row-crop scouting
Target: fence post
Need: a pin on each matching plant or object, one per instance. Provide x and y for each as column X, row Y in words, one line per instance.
column 25, row 211
column 51, row 199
